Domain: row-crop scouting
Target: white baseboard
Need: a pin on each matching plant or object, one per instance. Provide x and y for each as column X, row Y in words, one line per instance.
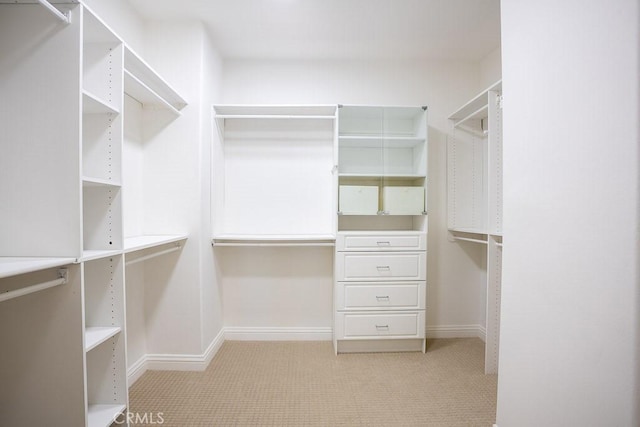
column 175, row 362
column 237, row 333
column 199, row 362
column 457, row 331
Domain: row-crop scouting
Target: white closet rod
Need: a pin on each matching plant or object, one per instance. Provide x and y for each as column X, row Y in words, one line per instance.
column 499, row 245
column 61, row 16
column 153, row 255
column 61, row 280
column 467, row 239
column 270, row 116
column 249, row 244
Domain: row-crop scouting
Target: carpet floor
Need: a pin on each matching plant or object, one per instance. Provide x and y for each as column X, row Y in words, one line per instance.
column 305, row 384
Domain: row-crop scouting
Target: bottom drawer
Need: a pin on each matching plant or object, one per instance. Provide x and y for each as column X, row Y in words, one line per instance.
column 406, row 324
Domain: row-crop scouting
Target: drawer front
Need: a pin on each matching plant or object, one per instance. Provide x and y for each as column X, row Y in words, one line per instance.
column 383, row 325
column 365, row 266
column 380, row 296
column 381, row 242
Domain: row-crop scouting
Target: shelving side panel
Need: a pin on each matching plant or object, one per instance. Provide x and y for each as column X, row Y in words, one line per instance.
column 466, row 182
column 278, row 177
column 42, row 352
column 494, row 221
column 39, row 129
column 102, row 218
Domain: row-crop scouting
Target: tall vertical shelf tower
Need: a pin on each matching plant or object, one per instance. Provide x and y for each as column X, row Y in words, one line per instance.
column 474, row 195
column 62, row 245
column 380, row 254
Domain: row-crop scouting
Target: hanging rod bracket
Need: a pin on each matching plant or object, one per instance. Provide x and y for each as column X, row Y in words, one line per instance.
column 63, row 274
column 63, row 16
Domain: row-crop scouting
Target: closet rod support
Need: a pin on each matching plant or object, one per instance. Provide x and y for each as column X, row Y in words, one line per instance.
column 177, row 247
column 61, row 280
column 64, row 17
column 468, row 239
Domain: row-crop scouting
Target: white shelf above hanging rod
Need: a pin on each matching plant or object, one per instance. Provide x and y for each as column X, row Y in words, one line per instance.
column 61, row 280
column 64, row 17
column 177, row 247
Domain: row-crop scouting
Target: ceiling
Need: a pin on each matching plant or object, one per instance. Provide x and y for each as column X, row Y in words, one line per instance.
column 340, row 29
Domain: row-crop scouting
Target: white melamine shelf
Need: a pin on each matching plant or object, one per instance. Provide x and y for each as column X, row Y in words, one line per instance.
column 274, row 240
column 148, row 84
column 88, row 181
column 145, row 95
column 104, row 415
column 13, row 266
column 137, row 243
column 94, row 336
column 93, row 104
column 387, row 142
column 90, row 255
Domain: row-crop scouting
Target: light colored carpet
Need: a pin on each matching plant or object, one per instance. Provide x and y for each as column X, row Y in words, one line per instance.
column 305, row 384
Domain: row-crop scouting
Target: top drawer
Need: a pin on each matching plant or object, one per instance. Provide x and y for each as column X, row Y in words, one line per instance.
column 407, row 241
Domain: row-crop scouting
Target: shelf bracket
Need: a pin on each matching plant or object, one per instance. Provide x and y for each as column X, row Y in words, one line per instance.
column 64, row 17
column 175, row 248
column 61, row 280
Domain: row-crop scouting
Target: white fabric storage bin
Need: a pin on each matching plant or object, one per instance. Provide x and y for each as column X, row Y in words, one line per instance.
column 358, row 200
column 403, row 200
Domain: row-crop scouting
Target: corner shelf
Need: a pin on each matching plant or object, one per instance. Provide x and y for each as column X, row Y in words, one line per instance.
column 94, row 336
column 145, row 85
column 13, row 266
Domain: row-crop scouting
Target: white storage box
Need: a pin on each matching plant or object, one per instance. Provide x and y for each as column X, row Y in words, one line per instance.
column 403, row 200
column 358, row 200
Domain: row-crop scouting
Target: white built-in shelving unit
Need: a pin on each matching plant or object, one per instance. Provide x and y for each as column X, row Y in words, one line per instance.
column 274, row 180
column 380, row 259
column 474, row 195
column 62, row 245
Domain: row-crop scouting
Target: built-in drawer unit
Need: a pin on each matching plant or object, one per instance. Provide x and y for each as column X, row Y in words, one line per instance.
column 368, row 266
column 405, row 324
column 380, row 290
column 380, row 296
column 355, row 241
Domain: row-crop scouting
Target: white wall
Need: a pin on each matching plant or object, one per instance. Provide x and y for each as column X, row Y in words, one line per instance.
column 122, row 19
column 570, row 332
column 491, row 68
column 455, row 288
column 183, row 308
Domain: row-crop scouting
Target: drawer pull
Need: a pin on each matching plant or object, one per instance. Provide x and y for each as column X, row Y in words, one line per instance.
column 382, row 297
column 384, row 243
column 382, row 327
column 383, row 268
